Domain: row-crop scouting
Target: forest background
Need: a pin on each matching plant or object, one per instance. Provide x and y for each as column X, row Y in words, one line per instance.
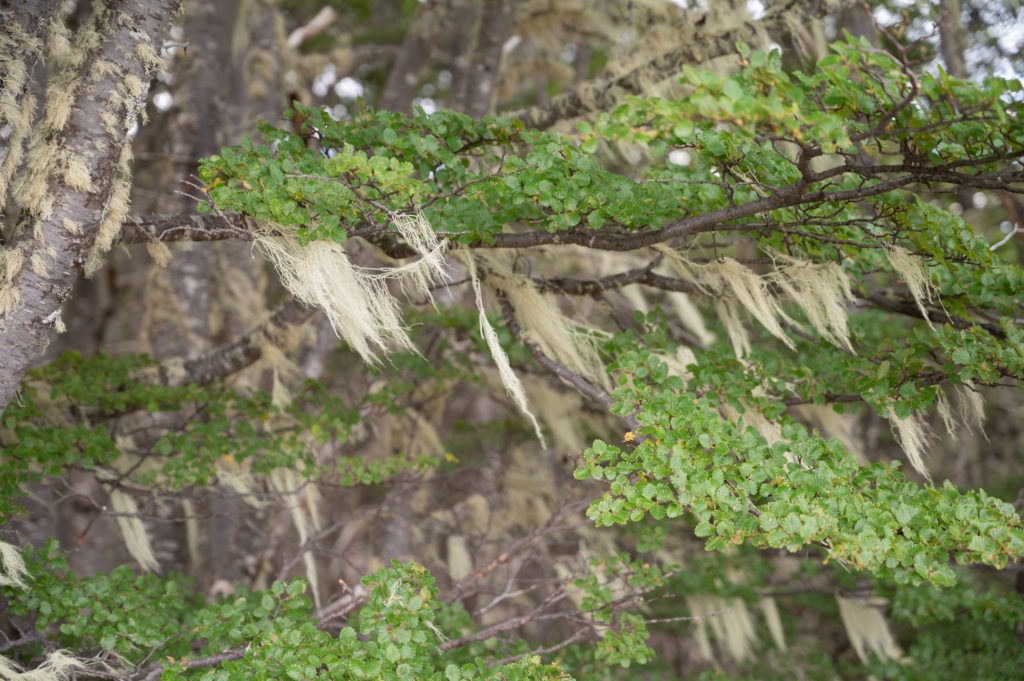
column 625, row 375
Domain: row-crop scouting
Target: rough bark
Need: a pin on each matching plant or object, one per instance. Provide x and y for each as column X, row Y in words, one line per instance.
column 23, row 25
column 58, row 227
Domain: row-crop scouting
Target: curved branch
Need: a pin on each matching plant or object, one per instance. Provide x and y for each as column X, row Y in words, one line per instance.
column 242, row 352
column 582, row 385
column 594, row 287
column 211, row 227
column 908, row 308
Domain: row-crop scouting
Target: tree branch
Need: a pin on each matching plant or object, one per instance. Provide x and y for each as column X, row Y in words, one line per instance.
column 578, row 635
column 154, row 671
column 909, row 308
column 242, row 352
column 581, row 384
column 462, row 588
column 141, row 229
column 514, row 623
column 604, row 94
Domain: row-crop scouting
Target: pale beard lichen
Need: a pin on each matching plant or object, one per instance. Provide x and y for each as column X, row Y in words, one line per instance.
column 60, row 101
column 690, row 317
column 18, row 52
column 912, row 436
column 151, row 61
column 134, row 87
column 115, row 213
column 101, row 69
column 678, row 362
column 460, row 560
column 972, row 407
column 238, row 477
column 191, row 530
column 867, row 628
column 358, row 306
column 730, row 621
column 821, row 290
column 10, row 298
column 418, row 278
column 730, row 282
column 159, row 252
column 513, row 386
column 573, row 345
column 73, row 227
column 133, row 530
column 58, row 39
column 738, row 334
column 67, row 55
column 14, row 569
column 11, row 262
column 770, row 610
column 561, row 413
column 945, row 413
column 357, row 302
column 970, row 410
column 304, row 503
column 57, row 666
column 77, row 175
column 915, row 274
column 31, row 187
column 37, row 265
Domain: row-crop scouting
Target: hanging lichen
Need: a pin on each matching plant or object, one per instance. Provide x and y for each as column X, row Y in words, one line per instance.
column 573, row 345
column 912, row 435
column 356, row 301
column 867, row 629
column 512, row 384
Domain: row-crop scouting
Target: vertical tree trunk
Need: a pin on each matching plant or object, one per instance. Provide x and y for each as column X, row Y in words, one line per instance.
column 23, row 27
column 211, row 293
column 952, row 38
column 495, row 23
column 408, row 68
column 72, row 190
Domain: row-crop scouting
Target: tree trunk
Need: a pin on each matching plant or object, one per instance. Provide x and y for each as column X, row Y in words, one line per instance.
column 952, row 38
column 22, row 40
column 405, row 73
column 72, row 191
column 485, row 59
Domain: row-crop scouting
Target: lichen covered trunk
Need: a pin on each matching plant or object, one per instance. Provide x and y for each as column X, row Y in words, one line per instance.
column 72, row 189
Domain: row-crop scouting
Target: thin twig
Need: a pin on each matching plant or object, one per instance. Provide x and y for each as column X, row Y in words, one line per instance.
column 578, row 635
